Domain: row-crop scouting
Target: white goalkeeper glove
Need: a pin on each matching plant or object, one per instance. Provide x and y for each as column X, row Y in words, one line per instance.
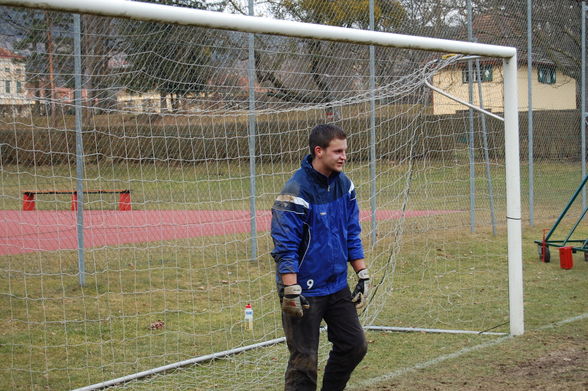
column 359, row 295
column 293, row 303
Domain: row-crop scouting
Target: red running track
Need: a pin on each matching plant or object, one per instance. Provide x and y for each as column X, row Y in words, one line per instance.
column 31, row 231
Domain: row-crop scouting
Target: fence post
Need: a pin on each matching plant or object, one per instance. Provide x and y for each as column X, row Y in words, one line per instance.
column 485, row 147
column 373, row 190
column 79, row 147
column 530, row 111
column 252, row 136
column 583, row 111
column 471, row 126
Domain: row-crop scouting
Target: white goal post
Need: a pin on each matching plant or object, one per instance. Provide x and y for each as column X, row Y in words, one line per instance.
column 249, row 24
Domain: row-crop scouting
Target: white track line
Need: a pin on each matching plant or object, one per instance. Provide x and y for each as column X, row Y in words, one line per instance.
column 380, row 379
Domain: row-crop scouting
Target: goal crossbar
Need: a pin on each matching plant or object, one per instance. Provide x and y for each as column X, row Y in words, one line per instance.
column 251, row 24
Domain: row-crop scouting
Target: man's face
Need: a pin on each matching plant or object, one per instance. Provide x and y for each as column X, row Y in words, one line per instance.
column 332, row 158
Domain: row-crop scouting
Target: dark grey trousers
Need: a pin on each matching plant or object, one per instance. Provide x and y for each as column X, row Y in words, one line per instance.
column 302, row 336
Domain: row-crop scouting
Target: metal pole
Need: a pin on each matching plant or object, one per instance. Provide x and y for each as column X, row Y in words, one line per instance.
column 513, row 198
column 486, row 155
column 179, row 364
column 461, row 101
column 471, row 127
column 567, row 207
column 79, row 147
column 530, row 111
column 252, row 136
column 423, row 330
column 583, row 111
column 373, row 189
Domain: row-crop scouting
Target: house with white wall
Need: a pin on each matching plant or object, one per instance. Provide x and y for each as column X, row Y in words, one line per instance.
column 551, row 89
column 13, row 94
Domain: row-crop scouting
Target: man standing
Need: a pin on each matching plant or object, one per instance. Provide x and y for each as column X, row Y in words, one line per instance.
column 316, row 233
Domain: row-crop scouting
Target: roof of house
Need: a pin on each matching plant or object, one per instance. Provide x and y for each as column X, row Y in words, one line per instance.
column 5, row 53
column 499, row 29
column 507, row 30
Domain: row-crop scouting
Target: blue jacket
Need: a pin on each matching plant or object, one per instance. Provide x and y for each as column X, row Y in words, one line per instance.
column 316, row 231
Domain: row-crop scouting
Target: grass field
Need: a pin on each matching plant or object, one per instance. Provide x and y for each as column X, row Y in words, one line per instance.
column 57, row 335
column 549, row 356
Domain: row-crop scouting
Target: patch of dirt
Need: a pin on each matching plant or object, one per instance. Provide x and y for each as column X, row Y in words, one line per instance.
column 564, row 369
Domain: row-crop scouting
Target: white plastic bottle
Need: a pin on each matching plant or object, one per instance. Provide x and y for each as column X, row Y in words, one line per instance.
column 248, row 317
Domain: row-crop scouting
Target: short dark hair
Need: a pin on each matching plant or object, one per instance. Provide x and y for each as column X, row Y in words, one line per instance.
column 321, row 136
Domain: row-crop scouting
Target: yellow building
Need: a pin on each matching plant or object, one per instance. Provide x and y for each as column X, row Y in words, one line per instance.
column 552, row 90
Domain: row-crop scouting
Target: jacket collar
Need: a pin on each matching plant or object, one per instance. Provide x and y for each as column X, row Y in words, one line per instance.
column 320, row 178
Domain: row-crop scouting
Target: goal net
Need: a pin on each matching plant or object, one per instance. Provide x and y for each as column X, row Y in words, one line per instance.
column 139, row 164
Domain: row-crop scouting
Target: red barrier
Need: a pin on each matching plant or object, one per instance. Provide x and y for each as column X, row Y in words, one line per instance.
column 566, row 261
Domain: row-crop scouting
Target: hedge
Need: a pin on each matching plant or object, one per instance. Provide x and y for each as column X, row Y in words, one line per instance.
column 556, row 137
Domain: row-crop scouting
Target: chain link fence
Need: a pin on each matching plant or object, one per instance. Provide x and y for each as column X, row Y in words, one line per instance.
column 38, row 75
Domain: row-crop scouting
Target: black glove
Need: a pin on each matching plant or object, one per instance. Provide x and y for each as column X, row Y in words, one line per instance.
column 359, row 295
column 293, row 302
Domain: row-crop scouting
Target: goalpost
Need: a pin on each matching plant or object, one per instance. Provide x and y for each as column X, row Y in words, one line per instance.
column 202, row 129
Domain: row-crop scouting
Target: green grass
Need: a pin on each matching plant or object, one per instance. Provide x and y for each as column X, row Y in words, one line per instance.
column 219, row 185
column 57, row 335
column 551, row 294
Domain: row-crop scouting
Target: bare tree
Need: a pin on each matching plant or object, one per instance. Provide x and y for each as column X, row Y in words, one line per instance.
column 97, row 49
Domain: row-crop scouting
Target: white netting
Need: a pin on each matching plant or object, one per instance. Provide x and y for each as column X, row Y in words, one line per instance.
column 165, row 116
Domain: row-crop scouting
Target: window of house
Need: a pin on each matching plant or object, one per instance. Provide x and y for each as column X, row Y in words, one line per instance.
column 6, row 69
column 546, row 74
column 18, row 87
column 486, row 73
column 7, row 86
